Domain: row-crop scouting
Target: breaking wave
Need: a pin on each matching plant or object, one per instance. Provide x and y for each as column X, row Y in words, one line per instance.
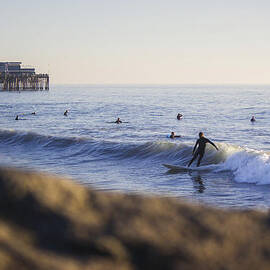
column 246, row 165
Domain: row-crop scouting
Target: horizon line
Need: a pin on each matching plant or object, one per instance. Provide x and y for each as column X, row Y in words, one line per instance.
column 166, row 84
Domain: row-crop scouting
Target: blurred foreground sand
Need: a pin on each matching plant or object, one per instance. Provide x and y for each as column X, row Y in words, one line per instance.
column 51, row 223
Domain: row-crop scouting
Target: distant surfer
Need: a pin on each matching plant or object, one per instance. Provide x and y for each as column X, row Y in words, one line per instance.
column 202, row 141
column 65, row 113
column 252, row 119
column 33, row 113
column 17, row 117
column 172, row 136
column 179, row 115
column 118, row 121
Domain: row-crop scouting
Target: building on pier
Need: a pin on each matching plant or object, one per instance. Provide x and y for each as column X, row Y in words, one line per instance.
column 14, row 77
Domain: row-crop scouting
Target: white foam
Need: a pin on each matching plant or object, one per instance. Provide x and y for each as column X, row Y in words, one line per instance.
column 249, row 166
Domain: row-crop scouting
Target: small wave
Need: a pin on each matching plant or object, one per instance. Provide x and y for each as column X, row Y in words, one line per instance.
column 76, row 146
column 246, row 165
column 25, row 138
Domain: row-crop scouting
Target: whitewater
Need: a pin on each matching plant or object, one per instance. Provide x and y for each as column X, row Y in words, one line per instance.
column 87, row 146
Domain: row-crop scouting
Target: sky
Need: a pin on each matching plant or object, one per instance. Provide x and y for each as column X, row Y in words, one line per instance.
column 139, row 41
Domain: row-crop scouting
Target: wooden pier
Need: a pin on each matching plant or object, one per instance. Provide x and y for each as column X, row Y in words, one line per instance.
column 25, row 82
column 15, row 78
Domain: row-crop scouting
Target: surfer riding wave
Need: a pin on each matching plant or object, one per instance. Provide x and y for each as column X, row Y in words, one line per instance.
column 202, row 141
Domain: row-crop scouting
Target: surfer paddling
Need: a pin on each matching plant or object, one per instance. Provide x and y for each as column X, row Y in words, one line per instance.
column 118, row 121
column 252, row 119
column 179, row 115
column 202, row 141
column 172, row 136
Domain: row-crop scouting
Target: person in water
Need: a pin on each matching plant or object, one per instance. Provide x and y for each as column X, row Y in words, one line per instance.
column 65, row 113
column 179, row 115
column 253, row 119
column 17, row 117
column 202, row 141
column 118, row 121
column 172, row 136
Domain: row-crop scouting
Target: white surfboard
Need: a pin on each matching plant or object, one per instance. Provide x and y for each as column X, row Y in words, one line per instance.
column 185, row 168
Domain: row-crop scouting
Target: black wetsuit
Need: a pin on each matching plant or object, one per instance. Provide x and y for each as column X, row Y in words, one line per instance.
column 202, row 143
column 201, row 149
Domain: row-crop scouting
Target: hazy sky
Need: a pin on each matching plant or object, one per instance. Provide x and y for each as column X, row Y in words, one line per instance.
column 139, row 41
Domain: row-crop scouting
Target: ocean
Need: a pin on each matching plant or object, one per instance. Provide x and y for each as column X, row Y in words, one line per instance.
column 87, row 146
